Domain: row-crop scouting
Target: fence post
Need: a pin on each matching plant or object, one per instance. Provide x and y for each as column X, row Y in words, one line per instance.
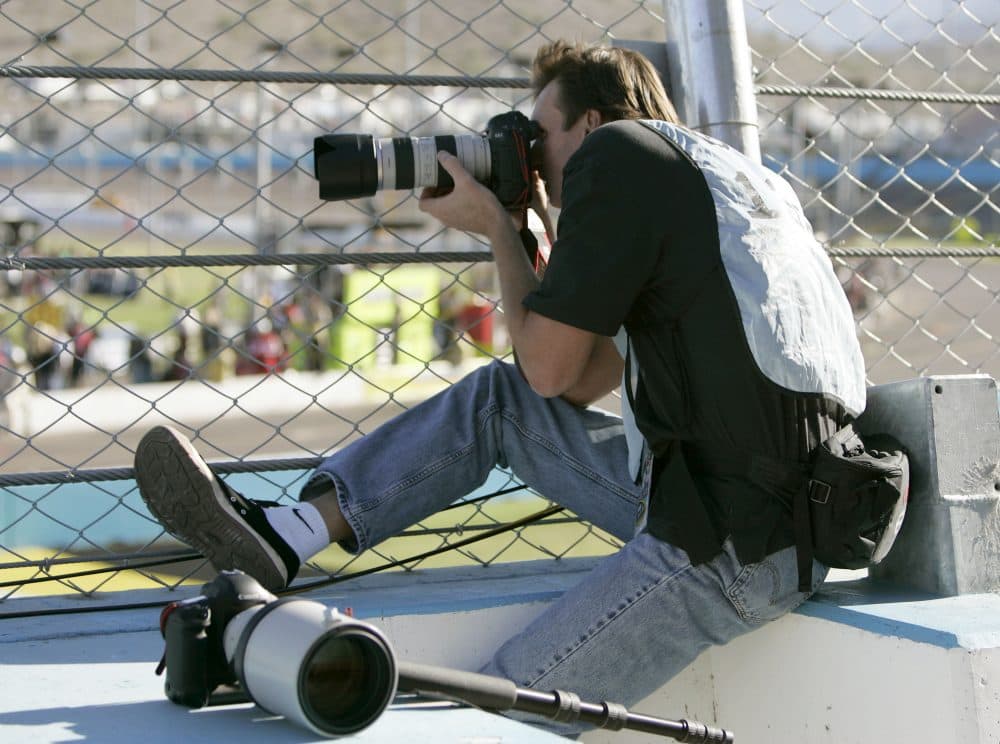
column 709, row 63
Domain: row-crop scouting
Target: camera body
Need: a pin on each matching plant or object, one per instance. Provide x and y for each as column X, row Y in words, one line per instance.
column 510, row 136
column 350, row 166
column 195, row 657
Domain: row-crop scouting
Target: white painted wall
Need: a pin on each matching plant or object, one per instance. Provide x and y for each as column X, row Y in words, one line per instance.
column 801, row 680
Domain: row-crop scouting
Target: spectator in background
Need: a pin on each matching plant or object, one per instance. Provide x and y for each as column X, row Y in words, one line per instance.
column 81, row 339
column 10, row 379
column 264, row 350
column 140, row 364
column 44, row 344
column 181, row 366
column 212, row 345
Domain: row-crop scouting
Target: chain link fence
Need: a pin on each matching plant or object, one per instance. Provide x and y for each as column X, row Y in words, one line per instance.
column 168, row 259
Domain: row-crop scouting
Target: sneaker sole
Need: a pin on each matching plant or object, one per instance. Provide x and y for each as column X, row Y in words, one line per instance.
column 181, row 492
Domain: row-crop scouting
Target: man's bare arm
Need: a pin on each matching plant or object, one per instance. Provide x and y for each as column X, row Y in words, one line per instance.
column 602, row 374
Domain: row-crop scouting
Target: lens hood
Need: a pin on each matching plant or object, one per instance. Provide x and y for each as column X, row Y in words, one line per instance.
column 345, row 166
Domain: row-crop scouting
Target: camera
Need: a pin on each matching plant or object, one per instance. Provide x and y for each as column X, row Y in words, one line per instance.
column 237, row 642
column 293, row 657
column 349, row 166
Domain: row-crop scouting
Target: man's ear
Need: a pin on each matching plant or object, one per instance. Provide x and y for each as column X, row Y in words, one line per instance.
column 593, row 119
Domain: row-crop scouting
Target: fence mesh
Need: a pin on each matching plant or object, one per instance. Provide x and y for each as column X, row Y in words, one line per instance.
column 169, row 260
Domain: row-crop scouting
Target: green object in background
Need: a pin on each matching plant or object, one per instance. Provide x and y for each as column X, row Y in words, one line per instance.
column 390, row 316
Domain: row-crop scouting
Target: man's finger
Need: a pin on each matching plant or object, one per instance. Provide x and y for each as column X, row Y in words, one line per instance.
column 450, row 163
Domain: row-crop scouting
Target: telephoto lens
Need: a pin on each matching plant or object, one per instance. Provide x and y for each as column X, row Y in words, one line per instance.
column 350, row 166
column 314, row 666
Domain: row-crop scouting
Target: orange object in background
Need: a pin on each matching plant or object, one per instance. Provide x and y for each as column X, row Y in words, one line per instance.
column 476, row 319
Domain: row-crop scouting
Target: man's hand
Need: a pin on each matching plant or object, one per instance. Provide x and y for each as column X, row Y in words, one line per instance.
column 468, row 206
column 540, row 205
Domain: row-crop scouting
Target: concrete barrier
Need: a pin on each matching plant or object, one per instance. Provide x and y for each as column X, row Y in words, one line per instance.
column 950, row 540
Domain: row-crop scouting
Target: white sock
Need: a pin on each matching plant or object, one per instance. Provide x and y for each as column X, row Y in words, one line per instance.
column 301, row 526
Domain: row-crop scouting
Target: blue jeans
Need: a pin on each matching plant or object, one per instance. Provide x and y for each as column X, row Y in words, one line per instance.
column 642, row 615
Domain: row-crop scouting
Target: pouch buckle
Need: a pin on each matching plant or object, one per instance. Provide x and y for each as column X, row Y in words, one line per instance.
column 819, row 491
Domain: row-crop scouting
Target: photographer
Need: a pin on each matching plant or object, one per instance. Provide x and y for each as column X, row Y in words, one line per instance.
column 673, row 252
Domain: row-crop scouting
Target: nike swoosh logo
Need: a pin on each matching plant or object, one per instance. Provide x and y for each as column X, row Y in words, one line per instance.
column 303, row 520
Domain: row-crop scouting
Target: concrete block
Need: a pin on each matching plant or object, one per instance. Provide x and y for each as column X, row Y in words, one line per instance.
column 950, row 540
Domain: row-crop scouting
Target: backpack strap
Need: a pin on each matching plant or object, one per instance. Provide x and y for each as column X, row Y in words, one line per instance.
column 802, row 524
column 775, row 476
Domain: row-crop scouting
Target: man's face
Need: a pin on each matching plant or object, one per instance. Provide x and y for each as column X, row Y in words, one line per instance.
column 555, row 145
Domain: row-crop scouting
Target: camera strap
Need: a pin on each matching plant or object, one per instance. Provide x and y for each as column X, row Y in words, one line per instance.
column 530, row 243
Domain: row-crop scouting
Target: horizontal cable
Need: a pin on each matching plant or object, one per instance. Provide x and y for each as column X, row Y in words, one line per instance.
column 257, row 76
column 34, row 263
column 142, row 561
column 536, row 517
column 987, row 251
column 132, row 565
column 456, row 81
column 95, row 475
column 125, row 559
column 871, row 94
column 461, row 529
column 139, row 561
column 81, row 610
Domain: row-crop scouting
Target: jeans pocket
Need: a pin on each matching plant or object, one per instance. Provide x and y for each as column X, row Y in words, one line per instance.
column 767, row 590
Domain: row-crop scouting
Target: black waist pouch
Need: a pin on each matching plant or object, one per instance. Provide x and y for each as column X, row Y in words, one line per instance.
column 850, row 510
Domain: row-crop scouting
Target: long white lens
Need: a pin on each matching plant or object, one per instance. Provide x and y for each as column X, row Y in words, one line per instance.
column 411, row 162
column 307, row 662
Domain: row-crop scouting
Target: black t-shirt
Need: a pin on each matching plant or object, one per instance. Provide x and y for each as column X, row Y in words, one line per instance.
column 638, row 246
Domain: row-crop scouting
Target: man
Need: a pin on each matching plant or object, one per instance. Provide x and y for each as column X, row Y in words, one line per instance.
column 674, row 253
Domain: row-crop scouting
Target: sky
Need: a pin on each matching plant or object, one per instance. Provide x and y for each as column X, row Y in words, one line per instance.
column 878, row 22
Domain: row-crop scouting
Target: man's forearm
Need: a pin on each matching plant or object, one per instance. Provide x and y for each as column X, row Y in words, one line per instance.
column 517, row 280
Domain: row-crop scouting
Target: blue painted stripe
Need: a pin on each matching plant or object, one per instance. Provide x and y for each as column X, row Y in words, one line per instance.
column 970, row 621
column 879, row 625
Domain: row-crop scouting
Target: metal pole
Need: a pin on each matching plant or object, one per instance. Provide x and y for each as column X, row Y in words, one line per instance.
column 710, row 76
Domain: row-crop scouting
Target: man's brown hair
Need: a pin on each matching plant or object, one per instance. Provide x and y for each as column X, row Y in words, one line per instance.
column 617, row 83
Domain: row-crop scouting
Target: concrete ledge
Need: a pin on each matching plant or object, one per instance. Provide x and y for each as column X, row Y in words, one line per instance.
column 970, row 621
column 90, row 676
column 861, row 662
column 102, row 689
